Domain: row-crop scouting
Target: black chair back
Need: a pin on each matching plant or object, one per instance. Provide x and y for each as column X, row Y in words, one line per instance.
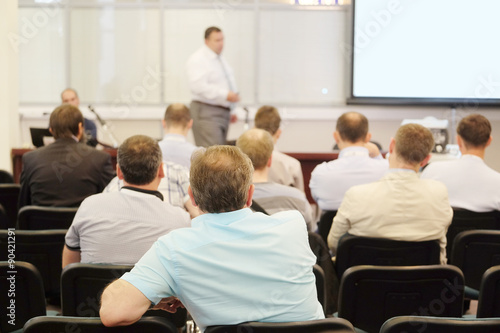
column 43, row 249
column 83, row 284
column 6, row 177
column 369, row 295
column 325, row 224
column 465, row 220
column 474, row 252
column 422, row 324
column 324, row 260
column 488, row 305
column 354, row 250
column 43, row 218
column 9, row 198
column 21, row 284
column 328, row 325
column 319, row 274
column 94, row 325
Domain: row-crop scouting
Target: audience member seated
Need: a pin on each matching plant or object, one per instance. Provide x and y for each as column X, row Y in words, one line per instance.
column 67, row 171
column 70, row 96
column 174, row 146
column 231, row 266
column 471, row 184
column 285, row 169
column 272, row 197
column 399, row 206
column 359, row 162
column 119, row 227
column 173, row 187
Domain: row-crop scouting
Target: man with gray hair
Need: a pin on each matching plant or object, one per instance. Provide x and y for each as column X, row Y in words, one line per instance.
column 107, row 224
column 270, row 196
column 232, row 265
column 399, row 206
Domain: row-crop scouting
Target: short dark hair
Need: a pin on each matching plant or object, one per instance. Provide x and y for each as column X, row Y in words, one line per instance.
column 414, row 143
column 177, row 114
column 210, row 30
column 64, row 121
column 139, row 158
column 352, row 126
column 220, row 178
column 268, row 118
column 475, row 130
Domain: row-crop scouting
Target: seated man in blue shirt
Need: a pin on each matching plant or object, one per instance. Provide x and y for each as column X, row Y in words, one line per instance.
column 232, row 266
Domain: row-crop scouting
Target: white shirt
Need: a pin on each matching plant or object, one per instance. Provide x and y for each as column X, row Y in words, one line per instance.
column 471, row 184
column 330, row 180
column 175, row 148
column 209, row 77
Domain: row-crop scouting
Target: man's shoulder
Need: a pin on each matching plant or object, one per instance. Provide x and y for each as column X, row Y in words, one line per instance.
column 284, row 159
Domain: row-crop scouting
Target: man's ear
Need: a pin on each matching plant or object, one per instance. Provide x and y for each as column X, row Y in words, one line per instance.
column 250, row 195
column 190, row 192
column 368, row 137
column 190, row 124
column 51, row 131
column 425, row 161
column 336, row 137
column 269, row 162
column 392, row 145
column 489, row 141
column 80, row 131
column 163, row 124
column 161, row 171
column 119, row 172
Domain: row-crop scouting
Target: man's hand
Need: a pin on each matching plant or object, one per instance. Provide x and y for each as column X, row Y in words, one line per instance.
column 372, row 149
column 234, row 118
column 233, row 97
column 169, row 304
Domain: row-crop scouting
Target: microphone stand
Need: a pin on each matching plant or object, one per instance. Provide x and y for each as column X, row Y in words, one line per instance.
column 246, row 126
column 105, row 128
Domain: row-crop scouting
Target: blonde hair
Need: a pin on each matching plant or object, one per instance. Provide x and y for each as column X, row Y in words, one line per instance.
column 268, row 118
column 258, row 145
column 414, row 143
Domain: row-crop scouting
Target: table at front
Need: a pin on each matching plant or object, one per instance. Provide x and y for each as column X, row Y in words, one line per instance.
column 307, row 160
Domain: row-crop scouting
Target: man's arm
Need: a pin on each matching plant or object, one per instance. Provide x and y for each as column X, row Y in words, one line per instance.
column 192, row 209
column 122, row 304
column 70, row 256
column 340, row 224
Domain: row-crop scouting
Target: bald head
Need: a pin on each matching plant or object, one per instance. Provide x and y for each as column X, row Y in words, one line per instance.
column 177, row 115
column 352, row 127
column 69, row 96
column 258, row 145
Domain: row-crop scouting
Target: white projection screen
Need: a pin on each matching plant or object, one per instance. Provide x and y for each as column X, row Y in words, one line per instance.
column 436, row 52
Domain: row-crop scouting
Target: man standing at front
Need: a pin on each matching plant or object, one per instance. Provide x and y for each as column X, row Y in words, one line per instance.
column 231, row 266
column 213, row 89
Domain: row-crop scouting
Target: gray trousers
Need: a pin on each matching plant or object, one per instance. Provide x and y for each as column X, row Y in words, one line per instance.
column 210, row 124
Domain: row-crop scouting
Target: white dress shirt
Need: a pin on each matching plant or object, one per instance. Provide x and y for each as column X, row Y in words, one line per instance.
column 210, row 78
column 330, row 180
column 471, row 183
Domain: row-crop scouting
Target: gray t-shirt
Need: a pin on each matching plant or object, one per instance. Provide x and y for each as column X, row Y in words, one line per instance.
column 119, row 227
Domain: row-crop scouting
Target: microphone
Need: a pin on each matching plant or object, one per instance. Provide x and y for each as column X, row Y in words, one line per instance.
column 246, row 126
column 105, row 127
column 101, row 121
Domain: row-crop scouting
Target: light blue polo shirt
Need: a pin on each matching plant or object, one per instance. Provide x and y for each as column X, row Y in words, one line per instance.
column 234, row 267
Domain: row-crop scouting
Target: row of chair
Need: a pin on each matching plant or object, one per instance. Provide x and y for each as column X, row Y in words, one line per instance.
column 463, row 220
column 409, row 324
column 475, row 251
column 369, row 295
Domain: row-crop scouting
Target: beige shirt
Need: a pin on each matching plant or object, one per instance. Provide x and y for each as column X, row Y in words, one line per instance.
column 286, row 170
column 399, row 206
